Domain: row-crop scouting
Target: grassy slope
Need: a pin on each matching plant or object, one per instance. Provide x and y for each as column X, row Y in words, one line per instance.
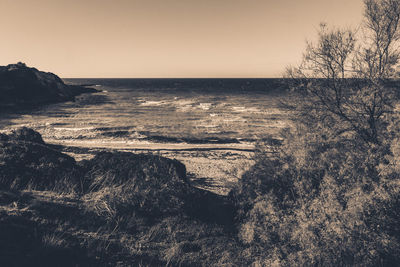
column 125, row 210
column 48, row 228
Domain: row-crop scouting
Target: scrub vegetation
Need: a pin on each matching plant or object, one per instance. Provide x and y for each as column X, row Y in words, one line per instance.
column 330, row 196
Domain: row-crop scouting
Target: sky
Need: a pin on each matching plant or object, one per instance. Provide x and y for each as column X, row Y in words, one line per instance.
column 165, row 38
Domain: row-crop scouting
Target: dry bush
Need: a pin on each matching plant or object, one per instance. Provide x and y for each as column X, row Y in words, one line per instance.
column 323, row 202
column 124, row 182
column 330, row 196
column 27, row 163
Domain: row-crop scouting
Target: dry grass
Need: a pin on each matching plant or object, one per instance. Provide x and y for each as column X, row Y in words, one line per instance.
column 68, row 224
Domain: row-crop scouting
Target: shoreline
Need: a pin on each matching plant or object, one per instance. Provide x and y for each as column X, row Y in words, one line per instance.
column 216, row 168
column 213, row 134
column 146, row 146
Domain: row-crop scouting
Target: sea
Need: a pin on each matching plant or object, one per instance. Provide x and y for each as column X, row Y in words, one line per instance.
column 188, row 119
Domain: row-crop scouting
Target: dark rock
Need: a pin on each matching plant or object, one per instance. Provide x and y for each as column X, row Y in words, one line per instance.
column 21, row 86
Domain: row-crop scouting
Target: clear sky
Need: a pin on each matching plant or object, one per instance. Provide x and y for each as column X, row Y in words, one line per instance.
column 165, row 38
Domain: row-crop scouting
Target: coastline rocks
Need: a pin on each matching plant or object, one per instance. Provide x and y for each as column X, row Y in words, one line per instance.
column 21, row 86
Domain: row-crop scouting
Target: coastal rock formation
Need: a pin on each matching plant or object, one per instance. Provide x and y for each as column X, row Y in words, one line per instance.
column 22, row 86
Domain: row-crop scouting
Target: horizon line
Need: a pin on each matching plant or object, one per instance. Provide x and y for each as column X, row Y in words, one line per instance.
column 172, row 78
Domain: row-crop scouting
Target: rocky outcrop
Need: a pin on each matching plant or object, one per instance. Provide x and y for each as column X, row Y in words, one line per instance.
column 22, row 86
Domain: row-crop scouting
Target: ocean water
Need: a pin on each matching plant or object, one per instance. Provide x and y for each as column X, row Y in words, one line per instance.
column 211, row 125
column 161, row 111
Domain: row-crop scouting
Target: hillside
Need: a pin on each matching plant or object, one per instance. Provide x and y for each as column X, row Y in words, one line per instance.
column 117, row 209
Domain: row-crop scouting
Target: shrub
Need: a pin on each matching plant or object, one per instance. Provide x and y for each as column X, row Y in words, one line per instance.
column 26, row 134
column 330, row 196
column 124, row 181
column 121, row 183
column 26, row 163
column 322, row 201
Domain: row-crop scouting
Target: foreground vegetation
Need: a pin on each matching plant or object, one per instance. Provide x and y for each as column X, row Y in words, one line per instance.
column 115, row 209
column 316, row 202
column 328, row 196
column 322, row 202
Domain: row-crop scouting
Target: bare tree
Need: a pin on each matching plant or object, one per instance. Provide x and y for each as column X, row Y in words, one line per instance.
column 345, row 75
